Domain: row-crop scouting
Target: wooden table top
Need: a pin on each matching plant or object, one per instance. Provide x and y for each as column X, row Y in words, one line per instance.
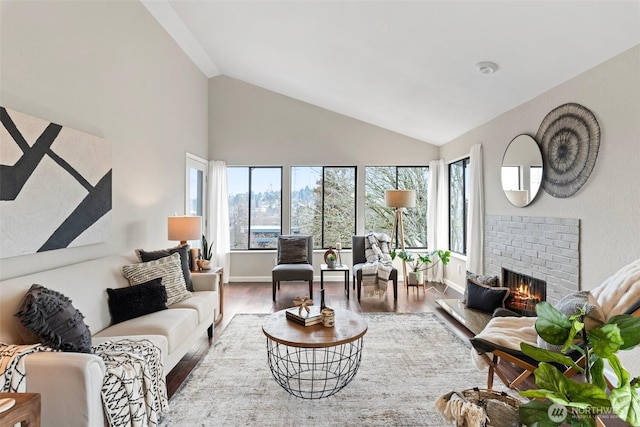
column 349, row 327
column 27, row 409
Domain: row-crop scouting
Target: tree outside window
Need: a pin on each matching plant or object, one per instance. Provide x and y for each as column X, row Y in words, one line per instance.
column 379, row 218
column 323, row 204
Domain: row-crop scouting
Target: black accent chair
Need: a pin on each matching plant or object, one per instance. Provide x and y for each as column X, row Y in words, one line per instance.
column 298, row 271
column 359, row 259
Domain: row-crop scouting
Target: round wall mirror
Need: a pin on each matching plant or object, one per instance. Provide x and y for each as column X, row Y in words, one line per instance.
column 522, row 170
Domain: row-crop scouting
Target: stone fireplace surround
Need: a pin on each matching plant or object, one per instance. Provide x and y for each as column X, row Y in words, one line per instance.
column 541, row 247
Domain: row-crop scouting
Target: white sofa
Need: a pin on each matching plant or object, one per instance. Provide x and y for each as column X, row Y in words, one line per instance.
column 70, row 383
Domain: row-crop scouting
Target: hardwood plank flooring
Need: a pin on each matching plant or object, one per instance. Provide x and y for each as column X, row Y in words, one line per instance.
column 255, row 298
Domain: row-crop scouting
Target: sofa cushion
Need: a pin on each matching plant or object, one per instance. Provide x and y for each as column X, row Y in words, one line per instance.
column 53, row 318
column 480, row 279
column 136, row 301
column 175, row 324
column 183, row 251
column 292, row 250
column 168, row 268
column 204, row 302
column 485, row 298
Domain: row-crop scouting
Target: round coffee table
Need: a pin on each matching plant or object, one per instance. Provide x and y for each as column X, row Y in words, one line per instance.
column 312, row 362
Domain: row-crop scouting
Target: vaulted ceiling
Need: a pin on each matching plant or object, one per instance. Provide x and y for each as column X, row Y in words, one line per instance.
column 407, row 66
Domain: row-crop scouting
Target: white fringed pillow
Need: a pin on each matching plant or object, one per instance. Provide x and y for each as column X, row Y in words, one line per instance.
column 169, row 269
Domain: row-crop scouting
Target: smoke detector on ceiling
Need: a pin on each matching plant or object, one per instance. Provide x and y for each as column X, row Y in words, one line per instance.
column 486, row 67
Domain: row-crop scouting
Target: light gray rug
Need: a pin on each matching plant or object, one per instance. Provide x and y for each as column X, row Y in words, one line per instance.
column 408, row 361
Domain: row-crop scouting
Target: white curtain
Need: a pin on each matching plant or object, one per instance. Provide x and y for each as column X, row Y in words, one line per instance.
column 219, row 216
column 437, row 215
column 475, row 217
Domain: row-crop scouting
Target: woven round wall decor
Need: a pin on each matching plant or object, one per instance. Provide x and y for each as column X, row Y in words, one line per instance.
column 569, row 137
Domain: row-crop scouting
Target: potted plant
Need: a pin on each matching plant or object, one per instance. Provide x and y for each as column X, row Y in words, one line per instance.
column 207, row 253
column 331, row 260
column 419, row 263
column 587, row 397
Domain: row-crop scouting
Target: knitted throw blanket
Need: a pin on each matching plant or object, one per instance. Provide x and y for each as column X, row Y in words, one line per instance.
column 134, row 391
column 377, row 269
column 12, row 366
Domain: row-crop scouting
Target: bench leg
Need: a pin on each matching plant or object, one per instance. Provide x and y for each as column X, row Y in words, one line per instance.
column 395, row 289
column 274, row 289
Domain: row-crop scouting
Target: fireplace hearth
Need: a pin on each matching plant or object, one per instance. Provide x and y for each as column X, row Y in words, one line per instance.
column 524, row 292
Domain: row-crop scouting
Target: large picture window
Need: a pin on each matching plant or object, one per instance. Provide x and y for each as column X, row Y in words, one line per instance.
column 323, row 204
column 255, row 206
column 379, row 218
column 458, row 205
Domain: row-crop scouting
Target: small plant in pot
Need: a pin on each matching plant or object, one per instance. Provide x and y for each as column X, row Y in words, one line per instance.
column 588, row 396
column 207, row 253
column 418, row 263
column 331, row 260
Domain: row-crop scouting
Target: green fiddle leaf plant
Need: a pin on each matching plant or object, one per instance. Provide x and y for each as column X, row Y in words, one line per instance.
column 421, row 262
column 587, row 397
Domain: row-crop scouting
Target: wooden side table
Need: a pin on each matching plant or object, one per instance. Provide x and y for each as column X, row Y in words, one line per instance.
column 26, row 411
column 218, row 272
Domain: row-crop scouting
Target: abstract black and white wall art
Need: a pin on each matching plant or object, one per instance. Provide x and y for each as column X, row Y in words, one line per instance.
column 55, row 186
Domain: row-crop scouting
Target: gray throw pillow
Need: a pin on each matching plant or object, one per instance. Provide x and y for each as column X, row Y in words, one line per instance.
column 53, row 318
column 183, row 251
column 292, row 250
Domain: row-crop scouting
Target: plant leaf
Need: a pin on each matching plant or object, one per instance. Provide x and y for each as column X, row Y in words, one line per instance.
column 542, row 355
column 629, row 329
column 536, row 414
column 552, row 326
column 623, row 376
column 605, row 340
column 597, row 373
column 625, row 402
column 567, row 391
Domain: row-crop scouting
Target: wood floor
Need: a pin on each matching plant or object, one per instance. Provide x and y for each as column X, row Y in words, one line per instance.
column 256, row 298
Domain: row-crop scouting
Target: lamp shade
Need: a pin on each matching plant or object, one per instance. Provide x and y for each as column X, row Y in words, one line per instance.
column 184, row 228
column 400, row 198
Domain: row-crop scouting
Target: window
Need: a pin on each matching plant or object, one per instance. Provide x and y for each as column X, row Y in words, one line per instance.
column 379, row 218
column 458, row 205
column 323, row 204
column 196, row 180
column 255, row 206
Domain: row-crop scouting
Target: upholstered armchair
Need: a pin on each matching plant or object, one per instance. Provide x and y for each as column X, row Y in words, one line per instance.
column 295, row 261
column 359, row 259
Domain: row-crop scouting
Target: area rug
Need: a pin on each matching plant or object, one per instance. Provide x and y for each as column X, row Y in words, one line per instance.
column 408, row 361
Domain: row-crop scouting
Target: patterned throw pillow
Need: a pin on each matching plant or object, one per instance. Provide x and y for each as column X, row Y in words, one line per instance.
column 183, row 251
column 292, row 250
column 57, row 323
column 168, row 268
column 478, row 279
column 135, row 301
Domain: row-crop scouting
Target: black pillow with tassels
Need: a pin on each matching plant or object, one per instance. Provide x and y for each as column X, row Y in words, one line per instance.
column 53, row 318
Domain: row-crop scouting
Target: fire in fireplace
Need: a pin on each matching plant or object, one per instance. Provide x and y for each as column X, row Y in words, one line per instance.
column 524, row 292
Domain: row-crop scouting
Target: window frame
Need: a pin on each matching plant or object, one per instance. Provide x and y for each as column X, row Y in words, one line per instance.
column 465, row 162
column 396, row 184
column 347, row 244
column 194, row 162
column 250, row 170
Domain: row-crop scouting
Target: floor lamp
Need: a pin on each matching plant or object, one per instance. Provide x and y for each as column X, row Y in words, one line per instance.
column 399, row 200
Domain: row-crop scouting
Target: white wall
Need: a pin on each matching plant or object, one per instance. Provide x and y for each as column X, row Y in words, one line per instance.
column 252, row 126
column 608, row 205
column 107, row 68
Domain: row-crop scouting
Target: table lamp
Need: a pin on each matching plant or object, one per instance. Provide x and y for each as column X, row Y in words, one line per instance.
column 184, row 228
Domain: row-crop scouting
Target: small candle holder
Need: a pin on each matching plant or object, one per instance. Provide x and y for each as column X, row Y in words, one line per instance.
column 339, row 249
